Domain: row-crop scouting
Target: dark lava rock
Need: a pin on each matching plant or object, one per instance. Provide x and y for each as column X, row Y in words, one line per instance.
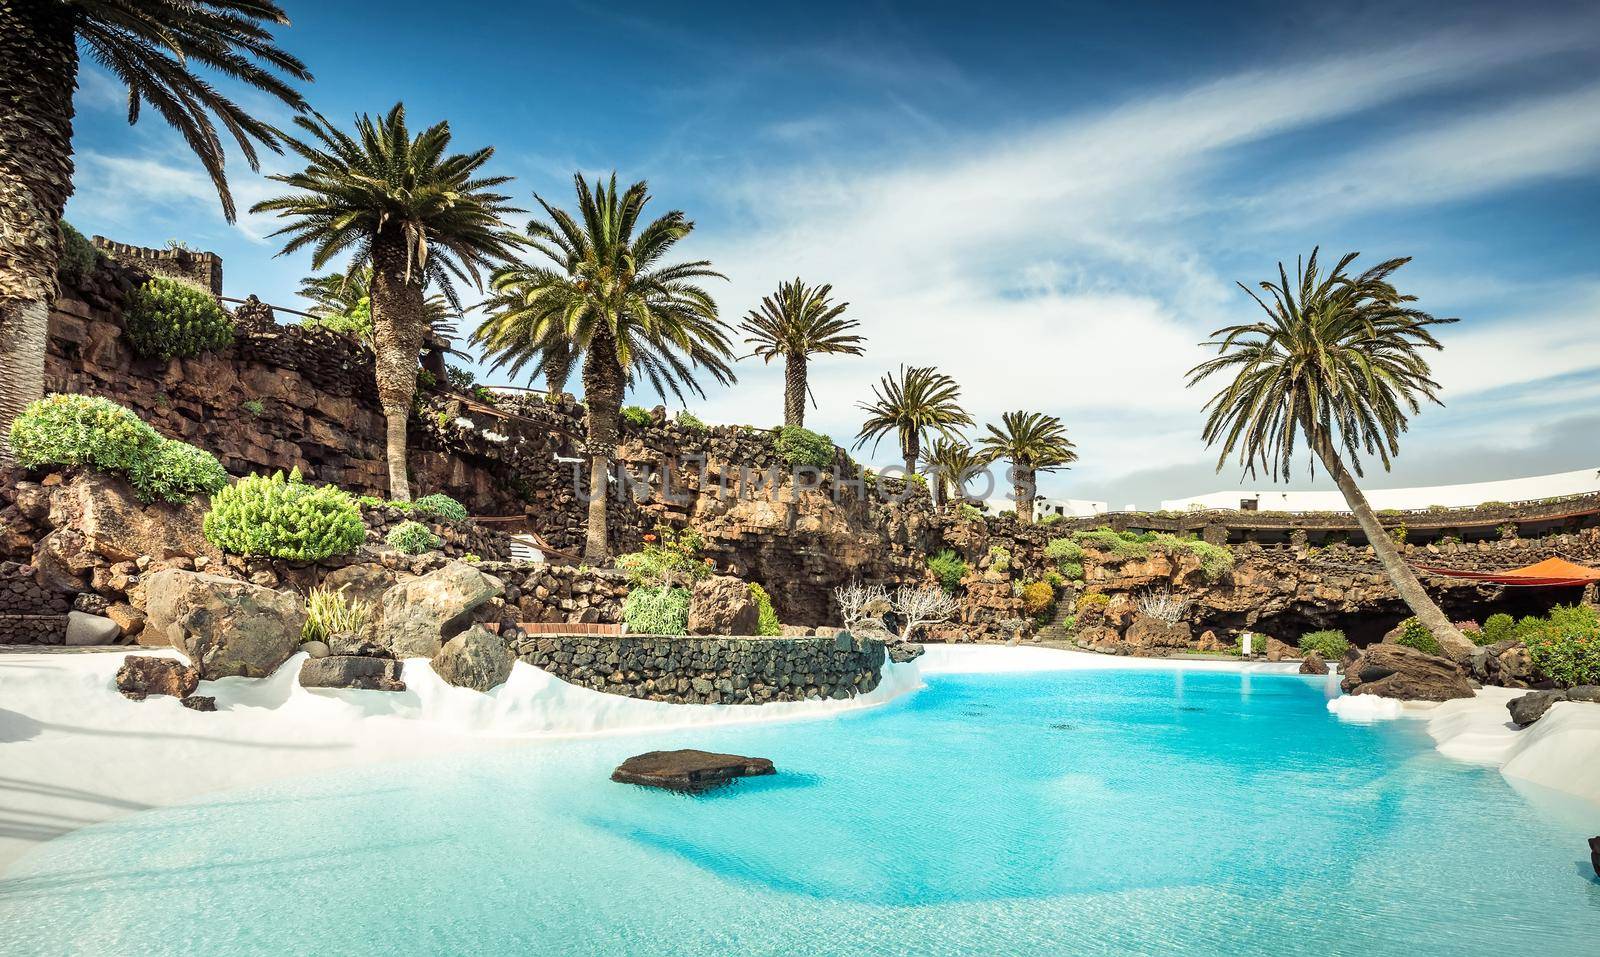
column 1588, row 693
column 901, row 653
column 143, row 675
column 1400, row 671
column 687, row 770
column 1594, row 854
column 340, row 643
column 352, row 671
column 200, row 702
column 1532, row 706
column 1312, row 664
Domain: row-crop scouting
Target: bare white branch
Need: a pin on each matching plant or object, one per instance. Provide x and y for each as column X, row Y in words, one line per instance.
column 1163, row 605
column 923, row 606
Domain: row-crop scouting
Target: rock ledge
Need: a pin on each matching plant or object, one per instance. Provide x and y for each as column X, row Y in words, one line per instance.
column 688, row 771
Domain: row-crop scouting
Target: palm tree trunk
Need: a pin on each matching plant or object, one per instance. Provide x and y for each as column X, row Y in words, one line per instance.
column 557, row 368
column 1025, row 489
column 38, row 71
column 912, row 451
column 1400, row 575
column 939, row 497
column 603, row 386
column 794, row 390
column 397, row 333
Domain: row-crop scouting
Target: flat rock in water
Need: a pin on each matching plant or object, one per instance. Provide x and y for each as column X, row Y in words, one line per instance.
column 688, row 770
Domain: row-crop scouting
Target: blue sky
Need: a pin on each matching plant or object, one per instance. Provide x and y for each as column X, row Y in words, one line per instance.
column 1050, row 202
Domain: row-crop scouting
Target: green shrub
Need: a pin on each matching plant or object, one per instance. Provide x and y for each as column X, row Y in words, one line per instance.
column 690, row 421
column 440, row 505
column 1414, row 634
column 949, row 568
column 79, row 258
column 254, row 407
column 767, row 623
column 101, row 435
column 330, row 612
column 1330, row 644
column 471, row 558
column 357, row 322
column 370, row 501
column 636, row 416
column 1067, row 556
column 969, row 513
column 668, row 558
column 1037, row 598
column 283, row 517
column 657, row 611
column 1215, row 560
column 462, row 380
column 1566, row 645
column 803, row 447
column 412, row 538
column 176, row 471
column 1091, row 599
column 999, row 560
column 1498, row 627
column 169, row 318
column 1049, row 518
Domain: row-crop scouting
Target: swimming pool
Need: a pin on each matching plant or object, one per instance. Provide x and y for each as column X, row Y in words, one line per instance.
column 1045, row 813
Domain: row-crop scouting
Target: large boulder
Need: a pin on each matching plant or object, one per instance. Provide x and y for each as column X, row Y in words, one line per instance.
column 721, row 605
column 362, row 581
column 1312, row 664
column 1400, row 671
column 1279, row 650
column 87, row 629
column 1149, row 636
column 351, row 671
column 688, row 770
column 421, row 614
column 1532, row 706
column 144, row 675
column 226, row 626
column 98, row 520
column 477, row 659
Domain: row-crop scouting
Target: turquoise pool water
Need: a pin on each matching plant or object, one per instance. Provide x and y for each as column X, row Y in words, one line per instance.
column 1056, row 813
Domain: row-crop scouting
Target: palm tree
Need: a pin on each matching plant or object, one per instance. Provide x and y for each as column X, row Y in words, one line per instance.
column 149, row 45
column 413, row 213
column 954, row 463
column 1033, row 442
column 796, row 322
column 609, row 300
column 922, row 401
column 516, row 292
column 1338, row 360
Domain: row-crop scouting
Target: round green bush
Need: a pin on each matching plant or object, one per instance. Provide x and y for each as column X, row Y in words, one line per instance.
column 802, row 447
column 283, row 517
column 1566, row 645
column 98, row 434
column 949, row 568
column 412, row 538
column 1498, row 627
column 636, row 416
column 657, row 611
column 357, row 322
column 176, row 471
column 1330, row 643
column 767, row 623
column 168, row 318
column 441, row 505
column 1414, row 634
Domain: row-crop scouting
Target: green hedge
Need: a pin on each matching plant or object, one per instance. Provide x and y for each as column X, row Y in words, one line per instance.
column 636, row 416
column 168, row 318
column 96, row 433
column 1414, row 634
column 657, row 611
column 1499, row 627
column 283, row 517
column 1330, row 643
column 802, row 447
column 412, row 538
column 1566, row 645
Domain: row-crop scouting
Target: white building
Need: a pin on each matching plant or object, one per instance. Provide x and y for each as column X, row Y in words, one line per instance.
column 1581, row 482
column 1065, row 507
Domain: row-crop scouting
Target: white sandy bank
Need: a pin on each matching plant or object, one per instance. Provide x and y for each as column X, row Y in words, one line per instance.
column 1560, row 751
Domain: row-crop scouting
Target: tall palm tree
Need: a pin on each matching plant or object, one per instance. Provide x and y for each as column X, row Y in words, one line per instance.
column 610, row 300
column 516, row 292
column 923, row 401
column 1338, row 360
column 413, row 213
column 1032, row 442
column 797, row 322
column 151, row 46
column 954, row 463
